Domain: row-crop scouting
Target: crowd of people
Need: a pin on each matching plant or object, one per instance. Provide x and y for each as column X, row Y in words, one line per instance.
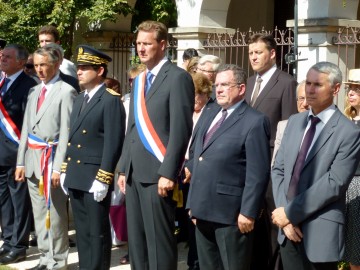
column 258, row 172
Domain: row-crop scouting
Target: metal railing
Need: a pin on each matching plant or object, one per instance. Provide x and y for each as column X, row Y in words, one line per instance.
column 233, row 48
column 124, row 52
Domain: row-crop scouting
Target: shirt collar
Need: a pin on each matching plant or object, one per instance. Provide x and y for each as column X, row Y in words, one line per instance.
column 93, row 91
column 157, row 68
column 51, row 83
column 324, row 115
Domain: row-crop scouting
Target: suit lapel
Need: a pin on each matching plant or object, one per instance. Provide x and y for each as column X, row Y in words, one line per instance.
column 229, row 122
column 249, row 88
column 325, row 134
column 80, row 117
column 13, row 86
column 160, row 77
column 267, row 89
column 48, row 100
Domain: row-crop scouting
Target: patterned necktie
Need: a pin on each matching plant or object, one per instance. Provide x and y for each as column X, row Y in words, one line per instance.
column 256, row 92
column 85, row 101
column 4, row 86
column 300, row 160
column 211, row 132
column 149, row 77
column 41, row 98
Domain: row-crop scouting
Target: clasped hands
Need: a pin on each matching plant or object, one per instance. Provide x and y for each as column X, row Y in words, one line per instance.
column 280, row 219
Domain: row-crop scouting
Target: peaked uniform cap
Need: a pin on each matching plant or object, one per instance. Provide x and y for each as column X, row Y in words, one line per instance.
column 87, row 55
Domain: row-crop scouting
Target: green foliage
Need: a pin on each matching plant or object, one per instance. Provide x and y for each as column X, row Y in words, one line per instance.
column 21, row 19
column 158, row 10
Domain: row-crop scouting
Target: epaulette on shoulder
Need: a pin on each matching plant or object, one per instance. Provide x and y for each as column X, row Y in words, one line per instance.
column 112, row 92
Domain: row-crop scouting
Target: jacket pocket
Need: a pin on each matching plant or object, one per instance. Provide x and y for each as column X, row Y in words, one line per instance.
column 92, row 160
column 229, row 190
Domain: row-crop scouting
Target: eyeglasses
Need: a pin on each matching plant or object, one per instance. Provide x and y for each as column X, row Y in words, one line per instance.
column 226, row 86
column 300, row 99
column 206, row 71
column 29, row 66
column 349, row 88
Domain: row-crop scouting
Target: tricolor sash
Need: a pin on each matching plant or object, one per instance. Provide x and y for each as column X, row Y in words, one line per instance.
column 6, row 123
column 46, row 163
column 146, row 130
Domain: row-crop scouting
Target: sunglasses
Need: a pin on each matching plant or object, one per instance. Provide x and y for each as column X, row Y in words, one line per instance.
column 29, row 66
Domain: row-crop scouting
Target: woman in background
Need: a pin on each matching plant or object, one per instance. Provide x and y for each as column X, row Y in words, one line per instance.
column 352, row 217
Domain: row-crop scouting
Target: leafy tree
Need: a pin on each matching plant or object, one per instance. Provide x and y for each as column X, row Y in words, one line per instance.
column 21, row 19
column 158, row 10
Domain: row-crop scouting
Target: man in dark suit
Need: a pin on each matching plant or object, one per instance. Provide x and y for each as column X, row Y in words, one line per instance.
column 318, row 156
column 230, row 172
column 158, row 131
column 272, row 92
column 14, row 197
column 97, row 130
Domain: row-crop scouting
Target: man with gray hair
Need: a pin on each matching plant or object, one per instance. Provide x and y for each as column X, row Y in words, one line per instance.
column 317, row 159
column 14, row 197
column 41, row 152
column 208, row 65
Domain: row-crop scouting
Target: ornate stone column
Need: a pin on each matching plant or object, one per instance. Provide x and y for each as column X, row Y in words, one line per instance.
column 318, row 25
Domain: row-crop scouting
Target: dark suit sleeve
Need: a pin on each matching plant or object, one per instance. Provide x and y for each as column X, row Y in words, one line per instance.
column 333, row 184
column 288, row 102
column 181, row 107
column 257, row 167
column 114, row 132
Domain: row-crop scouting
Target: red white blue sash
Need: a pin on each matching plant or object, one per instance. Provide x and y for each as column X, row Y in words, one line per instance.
column 6, row 124
column 146, row 130
column 46, row 163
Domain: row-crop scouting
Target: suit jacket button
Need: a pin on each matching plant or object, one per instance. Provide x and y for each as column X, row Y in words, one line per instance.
column 78, row 162
column 69, row 158
column 69, row 144
column 200, row 158
column 84, row 131
column 79, row 146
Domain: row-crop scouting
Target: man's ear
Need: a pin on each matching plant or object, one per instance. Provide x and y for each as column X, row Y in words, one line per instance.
column 101, row 71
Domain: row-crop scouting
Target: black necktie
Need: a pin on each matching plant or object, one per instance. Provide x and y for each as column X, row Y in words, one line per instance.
column 215, row 127
column 85, row 101
column 300, row 160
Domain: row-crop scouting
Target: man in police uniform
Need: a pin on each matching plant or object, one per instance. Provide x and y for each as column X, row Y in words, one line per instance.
column 97, row 127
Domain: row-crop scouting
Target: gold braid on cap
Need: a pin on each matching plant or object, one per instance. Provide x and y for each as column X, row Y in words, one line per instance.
column 104, row 177
column 91, row 59
column 63, row 167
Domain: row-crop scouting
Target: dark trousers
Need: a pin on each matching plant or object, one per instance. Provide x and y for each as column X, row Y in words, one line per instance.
column 92, row 224
column 15, row 207
column 223, row 247
column 266, row 248
column 294, row 258
column 151, row 225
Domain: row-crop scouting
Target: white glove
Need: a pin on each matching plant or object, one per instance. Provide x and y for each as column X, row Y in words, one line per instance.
column 62, row 181
column 99, row 189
